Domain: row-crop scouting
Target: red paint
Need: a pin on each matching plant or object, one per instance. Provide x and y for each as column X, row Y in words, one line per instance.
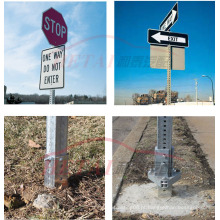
column 54, row 27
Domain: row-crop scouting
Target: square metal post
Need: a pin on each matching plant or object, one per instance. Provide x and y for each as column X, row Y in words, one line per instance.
column 52, row 97
column 56, row 158
column 169, row 76
column 163, row 173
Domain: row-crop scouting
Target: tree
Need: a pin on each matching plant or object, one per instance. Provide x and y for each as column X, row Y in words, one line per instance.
column 152, row 92
column 188, row 98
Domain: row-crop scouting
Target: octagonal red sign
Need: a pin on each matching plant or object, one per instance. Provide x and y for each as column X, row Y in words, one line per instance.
column 54, row 27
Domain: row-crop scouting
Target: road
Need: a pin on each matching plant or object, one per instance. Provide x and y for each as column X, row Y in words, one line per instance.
column 122, row 126
column 203, row 129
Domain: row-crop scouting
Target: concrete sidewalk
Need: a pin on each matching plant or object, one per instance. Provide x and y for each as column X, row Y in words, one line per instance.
column 203, row 130
column 124, row 152
column 122, row 126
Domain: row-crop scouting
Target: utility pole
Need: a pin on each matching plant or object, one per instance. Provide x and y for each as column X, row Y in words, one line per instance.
column 163, row 173
column 196, row 88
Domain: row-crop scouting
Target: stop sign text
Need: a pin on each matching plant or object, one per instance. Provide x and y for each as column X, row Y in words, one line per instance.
column 54, row 27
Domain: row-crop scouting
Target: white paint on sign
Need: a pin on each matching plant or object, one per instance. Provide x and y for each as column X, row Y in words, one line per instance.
column 158, row 37
column 54, row 27
column 170, row 20
column 52, row 68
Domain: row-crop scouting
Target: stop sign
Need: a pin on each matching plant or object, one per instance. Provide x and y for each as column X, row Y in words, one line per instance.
column 54, row 27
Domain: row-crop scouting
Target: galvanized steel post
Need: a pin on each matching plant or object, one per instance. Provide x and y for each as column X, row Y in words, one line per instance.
column 163, row 173
column 56, row 158
column 52, row 97
column 169, row 76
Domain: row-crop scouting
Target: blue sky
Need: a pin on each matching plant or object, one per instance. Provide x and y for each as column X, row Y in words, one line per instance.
column 85, row 67
column 133, row 19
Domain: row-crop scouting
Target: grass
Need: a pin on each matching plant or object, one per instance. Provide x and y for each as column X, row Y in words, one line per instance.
column 24, row 167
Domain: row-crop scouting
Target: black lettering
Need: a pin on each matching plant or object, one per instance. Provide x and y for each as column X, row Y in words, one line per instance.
column 51, row 79
column 56, row 66
column 46, row 68
column 58, row 54
column 46, row 57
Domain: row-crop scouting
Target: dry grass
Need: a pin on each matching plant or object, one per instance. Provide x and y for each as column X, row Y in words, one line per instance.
column 84, row 198
column 188, row 157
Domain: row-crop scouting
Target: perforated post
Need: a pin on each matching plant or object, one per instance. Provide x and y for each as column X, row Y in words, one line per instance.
column 52, row 97
column 163, row 173
column 56, row 158
column 169, row 76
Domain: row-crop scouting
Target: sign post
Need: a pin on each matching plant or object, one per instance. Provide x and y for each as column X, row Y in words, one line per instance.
column 56, row 158
column 52, row 77
column 163, row 173
column 169, row 76
column 52, row 97
column 171, row 40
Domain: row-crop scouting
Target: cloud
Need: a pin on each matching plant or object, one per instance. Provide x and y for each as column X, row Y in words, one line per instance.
column 28, row 13
column 23, row 35
column 21, row 58
column 24, row 40
column 25, row 13
column 74, row 15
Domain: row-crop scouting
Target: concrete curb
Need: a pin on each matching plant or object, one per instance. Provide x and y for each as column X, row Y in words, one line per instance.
column 123, row 155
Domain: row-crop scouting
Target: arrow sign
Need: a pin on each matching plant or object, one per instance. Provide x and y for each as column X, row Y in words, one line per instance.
column 167, row 38
column 170, row 19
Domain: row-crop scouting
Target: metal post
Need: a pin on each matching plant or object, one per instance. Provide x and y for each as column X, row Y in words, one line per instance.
column 196, row 87
column 213, row 94
column 56, row 158
column 163, row 173
column 169, row 76
column 5, row 94
column 52, row 97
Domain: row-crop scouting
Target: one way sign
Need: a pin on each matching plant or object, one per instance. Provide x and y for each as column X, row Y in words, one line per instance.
column 167, row 38
column 170, row 19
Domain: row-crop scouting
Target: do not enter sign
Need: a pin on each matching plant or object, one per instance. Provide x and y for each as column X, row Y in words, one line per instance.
column 54, row 27
column 52, row 68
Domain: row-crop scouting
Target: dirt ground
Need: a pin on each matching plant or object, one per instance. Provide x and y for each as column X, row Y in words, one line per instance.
column 189, row 158
column 24, row 162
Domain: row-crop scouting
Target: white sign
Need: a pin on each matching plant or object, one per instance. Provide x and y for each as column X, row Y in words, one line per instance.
column 52, row 68
column 170, row 19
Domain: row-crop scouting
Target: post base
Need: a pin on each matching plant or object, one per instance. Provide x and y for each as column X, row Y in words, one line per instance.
column 164, row 193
